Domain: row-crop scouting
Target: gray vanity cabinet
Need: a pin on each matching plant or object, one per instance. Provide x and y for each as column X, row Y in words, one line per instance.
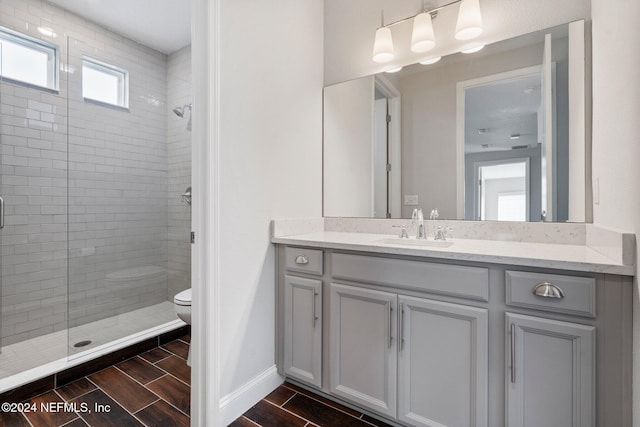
column 303, row 329
column 363, row 347
column 442, row 363
column 438, row 350
column 301, row 315
column 428, row 342
column 550, row 372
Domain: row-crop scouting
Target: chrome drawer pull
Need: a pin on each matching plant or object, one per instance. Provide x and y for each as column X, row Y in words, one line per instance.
column 302, row 259
column 315, row 317
column 548, row 290
column 512, row 354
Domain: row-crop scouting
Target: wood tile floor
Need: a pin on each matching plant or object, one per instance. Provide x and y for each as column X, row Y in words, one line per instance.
column 152, row 389
column 292, row 406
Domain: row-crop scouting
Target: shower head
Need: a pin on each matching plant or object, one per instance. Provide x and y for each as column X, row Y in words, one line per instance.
column 179, row 111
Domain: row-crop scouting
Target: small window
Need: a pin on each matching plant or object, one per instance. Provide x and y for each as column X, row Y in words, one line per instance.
column 28, row 60
column 105, row 83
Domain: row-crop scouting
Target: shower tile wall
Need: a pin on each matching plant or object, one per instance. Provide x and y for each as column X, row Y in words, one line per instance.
column 117, row 188
column 179, row 144
column 118, row 177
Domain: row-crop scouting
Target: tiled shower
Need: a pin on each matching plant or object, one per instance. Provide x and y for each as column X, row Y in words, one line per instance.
column 95, row 227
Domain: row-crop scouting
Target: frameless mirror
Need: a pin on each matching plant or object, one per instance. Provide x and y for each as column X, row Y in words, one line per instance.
column 494, row 135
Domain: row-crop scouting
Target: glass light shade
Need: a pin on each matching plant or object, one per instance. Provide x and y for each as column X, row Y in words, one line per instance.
column 393, row 70
column 469, row 25
column 431, row 60
column 383, row 45
column 422, row 38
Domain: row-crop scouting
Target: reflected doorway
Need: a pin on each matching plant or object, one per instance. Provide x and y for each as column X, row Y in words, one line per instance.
column 503, row 190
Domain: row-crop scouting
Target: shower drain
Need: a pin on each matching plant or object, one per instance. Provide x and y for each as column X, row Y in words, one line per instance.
column 82, row 343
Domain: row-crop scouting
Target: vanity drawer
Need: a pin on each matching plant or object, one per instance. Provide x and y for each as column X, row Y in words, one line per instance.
column 558, row 293
column 444, row 279
column 303, row 260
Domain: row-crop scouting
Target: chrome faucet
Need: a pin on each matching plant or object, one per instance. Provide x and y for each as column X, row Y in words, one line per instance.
column 418, row 217
column 433, row 216
column 441, row 232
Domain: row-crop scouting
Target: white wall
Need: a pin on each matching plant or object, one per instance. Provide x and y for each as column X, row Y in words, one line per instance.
column 270, row 157
column 616, row 132
column 350, row 27
column 348, row 148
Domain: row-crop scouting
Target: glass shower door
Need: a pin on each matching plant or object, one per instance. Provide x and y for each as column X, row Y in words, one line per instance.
column 33, row 262
column 1, row 211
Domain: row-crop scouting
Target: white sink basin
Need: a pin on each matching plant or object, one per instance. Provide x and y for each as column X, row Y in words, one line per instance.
column 417, row 242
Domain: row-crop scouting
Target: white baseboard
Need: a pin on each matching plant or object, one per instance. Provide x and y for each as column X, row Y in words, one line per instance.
column 240, row 400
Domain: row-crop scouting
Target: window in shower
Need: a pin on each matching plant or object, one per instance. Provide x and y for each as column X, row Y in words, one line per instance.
column 105, row 83
column 28, row 60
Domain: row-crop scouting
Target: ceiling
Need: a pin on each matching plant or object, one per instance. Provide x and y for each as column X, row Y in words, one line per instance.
column 496, row 112
column 163, row 25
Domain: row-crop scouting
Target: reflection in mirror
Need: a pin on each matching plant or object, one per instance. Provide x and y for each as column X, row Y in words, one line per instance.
column 503, row 146
column 495, row 135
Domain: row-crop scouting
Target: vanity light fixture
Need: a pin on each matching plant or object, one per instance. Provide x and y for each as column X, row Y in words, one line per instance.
column 422, row 37
column 468, row 26
column 383, row 44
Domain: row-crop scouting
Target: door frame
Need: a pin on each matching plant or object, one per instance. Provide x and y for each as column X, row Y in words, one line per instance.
column 205, row 214
column 527, row 182
column 394, row 153
column 461, row 86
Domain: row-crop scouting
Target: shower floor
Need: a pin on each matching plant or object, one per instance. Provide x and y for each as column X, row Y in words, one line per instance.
column 28, row 354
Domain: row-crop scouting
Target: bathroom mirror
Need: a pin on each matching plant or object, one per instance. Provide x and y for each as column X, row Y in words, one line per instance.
column 494, row 135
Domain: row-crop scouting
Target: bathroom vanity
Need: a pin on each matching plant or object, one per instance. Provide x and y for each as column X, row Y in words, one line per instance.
column 475, row 333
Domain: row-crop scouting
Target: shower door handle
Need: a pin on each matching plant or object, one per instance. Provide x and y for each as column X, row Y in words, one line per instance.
column 1, row 213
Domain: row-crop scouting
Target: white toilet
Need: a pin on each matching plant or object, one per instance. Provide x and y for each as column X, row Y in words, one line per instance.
column 182, row 306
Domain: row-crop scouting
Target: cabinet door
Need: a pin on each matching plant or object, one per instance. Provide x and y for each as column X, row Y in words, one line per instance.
column 303, row 329
column 363, row 347
column 550, row 373
column 442, row 364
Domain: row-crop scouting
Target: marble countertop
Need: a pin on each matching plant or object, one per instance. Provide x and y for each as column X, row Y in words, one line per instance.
column 529, row 254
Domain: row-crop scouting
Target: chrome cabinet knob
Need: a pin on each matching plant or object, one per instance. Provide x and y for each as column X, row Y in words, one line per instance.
column 548, row 290
column 302, row 259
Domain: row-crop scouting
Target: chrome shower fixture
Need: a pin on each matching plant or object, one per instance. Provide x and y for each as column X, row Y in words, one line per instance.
column 179, row 111
column 186, row 196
